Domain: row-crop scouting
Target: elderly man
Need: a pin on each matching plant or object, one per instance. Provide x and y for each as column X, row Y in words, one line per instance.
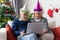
column 46, row 34
column 19, row 26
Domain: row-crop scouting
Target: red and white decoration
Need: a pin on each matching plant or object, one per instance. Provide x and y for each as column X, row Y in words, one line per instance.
column 51, row 10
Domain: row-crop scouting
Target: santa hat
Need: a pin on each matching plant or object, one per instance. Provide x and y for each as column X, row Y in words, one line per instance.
column 24, row 9
column 38, row 7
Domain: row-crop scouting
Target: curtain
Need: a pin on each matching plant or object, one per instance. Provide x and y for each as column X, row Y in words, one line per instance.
column 17, row 4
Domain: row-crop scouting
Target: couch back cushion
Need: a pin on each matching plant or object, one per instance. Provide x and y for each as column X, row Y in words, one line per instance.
column 56, row 32
column 10, row 35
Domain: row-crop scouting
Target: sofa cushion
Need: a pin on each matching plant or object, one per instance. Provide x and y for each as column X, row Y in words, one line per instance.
column 57, row 38
column 10, row 35
column 56, row 32
column 8, row 28
column 52, row 24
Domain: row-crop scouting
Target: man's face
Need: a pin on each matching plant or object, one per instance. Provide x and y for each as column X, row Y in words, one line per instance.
column 37, row 14
column 23, row 16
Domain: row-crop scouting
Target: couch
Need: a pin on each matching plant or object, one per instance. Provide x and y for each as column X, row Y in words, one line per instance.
column 11, row 36
column 3, row 34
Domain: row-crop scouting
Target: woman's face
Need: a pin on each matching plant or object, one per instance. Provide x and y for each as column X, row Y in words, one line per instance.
column 23, row 16
column 37, row 14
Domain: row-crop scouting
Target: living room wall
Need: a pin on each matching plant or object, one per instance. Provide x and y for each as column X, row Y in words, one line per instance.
column 46, row 4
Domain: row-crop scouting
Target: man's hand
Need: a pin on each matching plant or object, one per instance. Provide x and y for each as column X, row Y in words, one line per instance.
column 22, row 33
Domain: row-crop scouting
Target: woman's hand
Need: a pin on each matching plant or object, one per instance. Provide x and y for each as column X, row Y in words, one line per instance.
column 22, row 33
column 44, row 32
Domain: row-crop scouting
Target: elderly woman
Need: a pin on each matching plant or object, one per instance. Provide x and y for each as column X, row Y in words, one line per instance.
column 46, row 34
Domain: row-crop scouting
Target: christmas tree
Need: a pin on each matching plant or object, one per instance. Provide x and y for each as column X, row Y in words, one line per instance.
column 6, row 12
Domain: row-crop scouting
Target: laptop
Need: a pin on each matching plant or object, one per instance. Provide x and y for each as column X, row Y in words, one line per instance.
column 34, row 27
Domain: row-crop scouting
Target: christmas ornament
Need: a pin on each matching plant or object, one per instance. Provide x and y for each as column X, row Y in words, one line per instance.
column 6, row 11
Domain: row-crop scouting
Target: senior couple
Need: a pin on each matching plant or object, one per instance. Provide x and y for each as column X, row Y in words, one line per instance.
column 19, row 25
